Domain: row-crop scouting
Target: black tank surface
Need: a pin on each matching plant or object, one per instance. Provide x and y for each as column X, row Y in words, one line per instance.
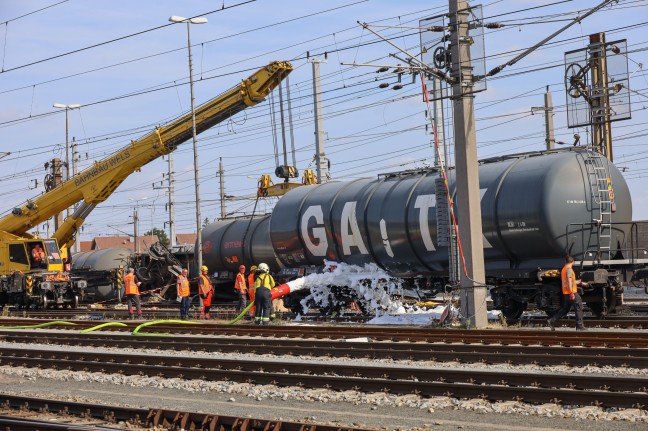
column 227, row 244
column 101, row 260
column 98, row 268
column 536, row 207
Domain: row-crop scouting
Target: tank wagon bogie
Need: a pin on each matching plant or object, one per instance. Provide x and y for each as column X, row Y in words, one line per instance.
column 536, row 208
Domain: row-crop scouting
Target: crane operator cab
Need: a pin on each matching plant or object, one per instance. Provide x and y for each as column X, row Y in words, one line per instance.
column 33, row 255
column 31, row 275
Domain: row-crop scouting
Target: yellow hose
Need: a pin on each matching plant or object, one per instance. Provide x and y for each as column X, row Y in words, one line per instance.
column 40, row 325
column 156, row 322
column 240, row 316
column 94, row 328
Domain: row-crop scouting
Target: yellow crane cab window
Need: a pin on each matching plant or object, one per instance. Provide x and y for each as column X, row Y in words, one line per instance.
column 18, row 254
column 52, row 252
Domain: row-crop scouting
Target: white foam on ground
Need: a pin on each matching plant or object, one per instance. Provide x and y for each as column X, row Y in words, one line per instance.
column 374, row 290
column 369, row 284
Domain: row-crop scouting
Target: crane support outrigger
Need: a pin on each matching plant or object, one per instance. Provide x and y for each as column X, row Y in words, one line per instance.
column 26, row 279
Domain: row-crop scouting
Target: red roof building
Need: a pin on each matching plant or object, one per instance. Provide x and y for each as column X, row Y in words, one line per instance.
column 186, row 238
column 85, row 246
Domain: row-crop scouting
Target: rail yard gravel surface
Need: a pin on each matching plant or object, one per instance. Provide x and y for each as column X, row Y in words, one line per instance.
column 379, row 410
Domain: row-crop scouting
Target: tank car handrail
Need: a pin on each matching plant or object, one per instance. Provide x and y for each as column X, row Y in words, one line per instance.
column 630, row 248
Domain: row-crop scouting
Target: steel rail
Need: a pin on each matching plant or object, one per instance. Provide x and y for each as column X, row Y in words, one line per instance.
column 387, row 333
column 17, row 423
column 471, row 353
column 626, row 392
column 170, row 419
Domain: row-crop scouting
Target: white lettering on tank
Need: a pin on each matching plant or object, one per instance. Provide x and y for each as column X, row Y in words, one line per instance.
column 424, row 203
column 350, row 222
column 486, row 244
column 385, row 238
column 319, row 232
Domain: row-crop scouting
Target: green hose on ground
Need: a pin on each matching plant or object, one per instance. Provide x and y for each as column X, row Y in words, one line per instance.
column 156, row 322
column 240, row 316
column 40, row 325
column 94, row 328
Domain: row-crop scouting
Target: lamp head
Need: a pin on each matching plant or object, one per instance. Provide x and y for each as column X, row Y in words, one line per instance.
column 196, row 20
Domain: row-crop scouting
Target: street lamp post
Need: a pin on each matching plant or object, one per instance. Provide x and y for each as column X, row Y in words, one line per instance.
column 189, row 21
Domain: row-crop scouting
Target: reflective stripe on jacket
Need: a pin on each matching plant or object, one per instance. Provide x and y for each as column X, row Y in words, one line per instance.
column 568, row 280
column 183, row 286
column 240, row 285
column 130, row 286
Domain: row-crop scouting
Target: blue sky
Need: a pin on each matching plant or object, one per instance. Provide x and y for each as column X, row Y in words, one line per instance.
column 369, row 130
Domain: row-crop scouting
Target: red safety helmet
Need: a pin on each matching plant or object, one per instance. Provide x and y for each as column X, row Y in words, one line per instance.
column 242, row 268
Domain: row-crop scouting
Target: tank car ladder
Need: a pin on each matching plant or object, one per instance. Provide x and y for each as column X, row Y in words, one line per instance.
column 602, row 200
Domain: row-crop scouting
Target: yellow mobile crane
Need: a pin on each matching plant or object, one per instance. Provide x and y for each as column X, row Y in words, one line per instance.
column 29, row 276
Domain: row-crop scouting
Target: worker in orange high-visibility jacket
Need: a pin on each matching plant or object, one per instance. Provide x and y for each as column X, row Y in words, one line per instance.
column 206, row 291
column 240, row 285
column 131, row 287
column 570, row 296
column 38, row 256
column 183, row 294
column 251, row 288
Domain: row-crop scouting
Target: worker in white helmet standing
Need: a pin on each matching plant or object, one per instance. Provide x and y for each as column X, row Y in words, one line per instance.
column 262, row 295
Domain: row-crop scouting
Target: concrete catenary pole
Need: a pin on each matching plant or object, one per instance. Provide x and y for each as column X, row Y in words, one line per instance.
column 473, row 278
column 320, row 157
column 600, row 98
column 135, row 222
column 76, row 247
column 172, row 229
column 550, row 141
column 57, row 180
column 549, row 126
column 222, row 188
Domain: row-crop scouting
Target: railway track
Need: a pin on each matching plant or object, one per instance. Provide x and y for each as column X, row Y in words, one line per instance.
column 566, row 389
column 229, row 313
column 29, row 412
column 543, row 337
column 410, row 351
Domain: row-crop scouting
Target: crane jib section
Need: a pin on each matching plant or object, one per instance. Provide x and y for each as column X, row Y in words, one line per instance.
column 98, row 182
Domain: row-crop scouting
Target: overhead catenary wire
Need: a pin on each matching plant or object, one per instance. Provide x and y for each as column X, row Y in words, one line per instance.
column 204, row 141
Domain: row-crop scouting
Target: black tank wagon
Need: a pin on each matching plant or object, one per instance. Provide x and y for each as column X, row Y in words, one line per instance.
column 536, row 208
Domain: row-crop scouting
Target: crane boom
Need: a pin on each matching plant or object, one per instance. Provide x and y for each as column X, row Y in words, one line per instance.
column 96, row 183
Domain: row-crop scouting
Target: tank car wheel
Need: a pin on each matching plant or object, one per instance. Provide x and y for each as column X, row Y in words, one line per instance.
column 513, row 309
column 601, row 310
column 46, row 303
column 143, row 273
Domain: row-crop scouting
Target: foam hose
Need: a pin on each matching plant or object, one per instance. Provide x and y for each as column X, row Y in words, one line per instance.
column 276, row 292
column 240, row 316
column 40, row 325
column 156, row 322
column 103, row 325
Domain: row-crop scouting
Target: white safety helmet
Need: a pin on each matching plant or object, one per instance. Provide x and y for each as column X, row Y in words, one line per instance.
column 263, row 267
